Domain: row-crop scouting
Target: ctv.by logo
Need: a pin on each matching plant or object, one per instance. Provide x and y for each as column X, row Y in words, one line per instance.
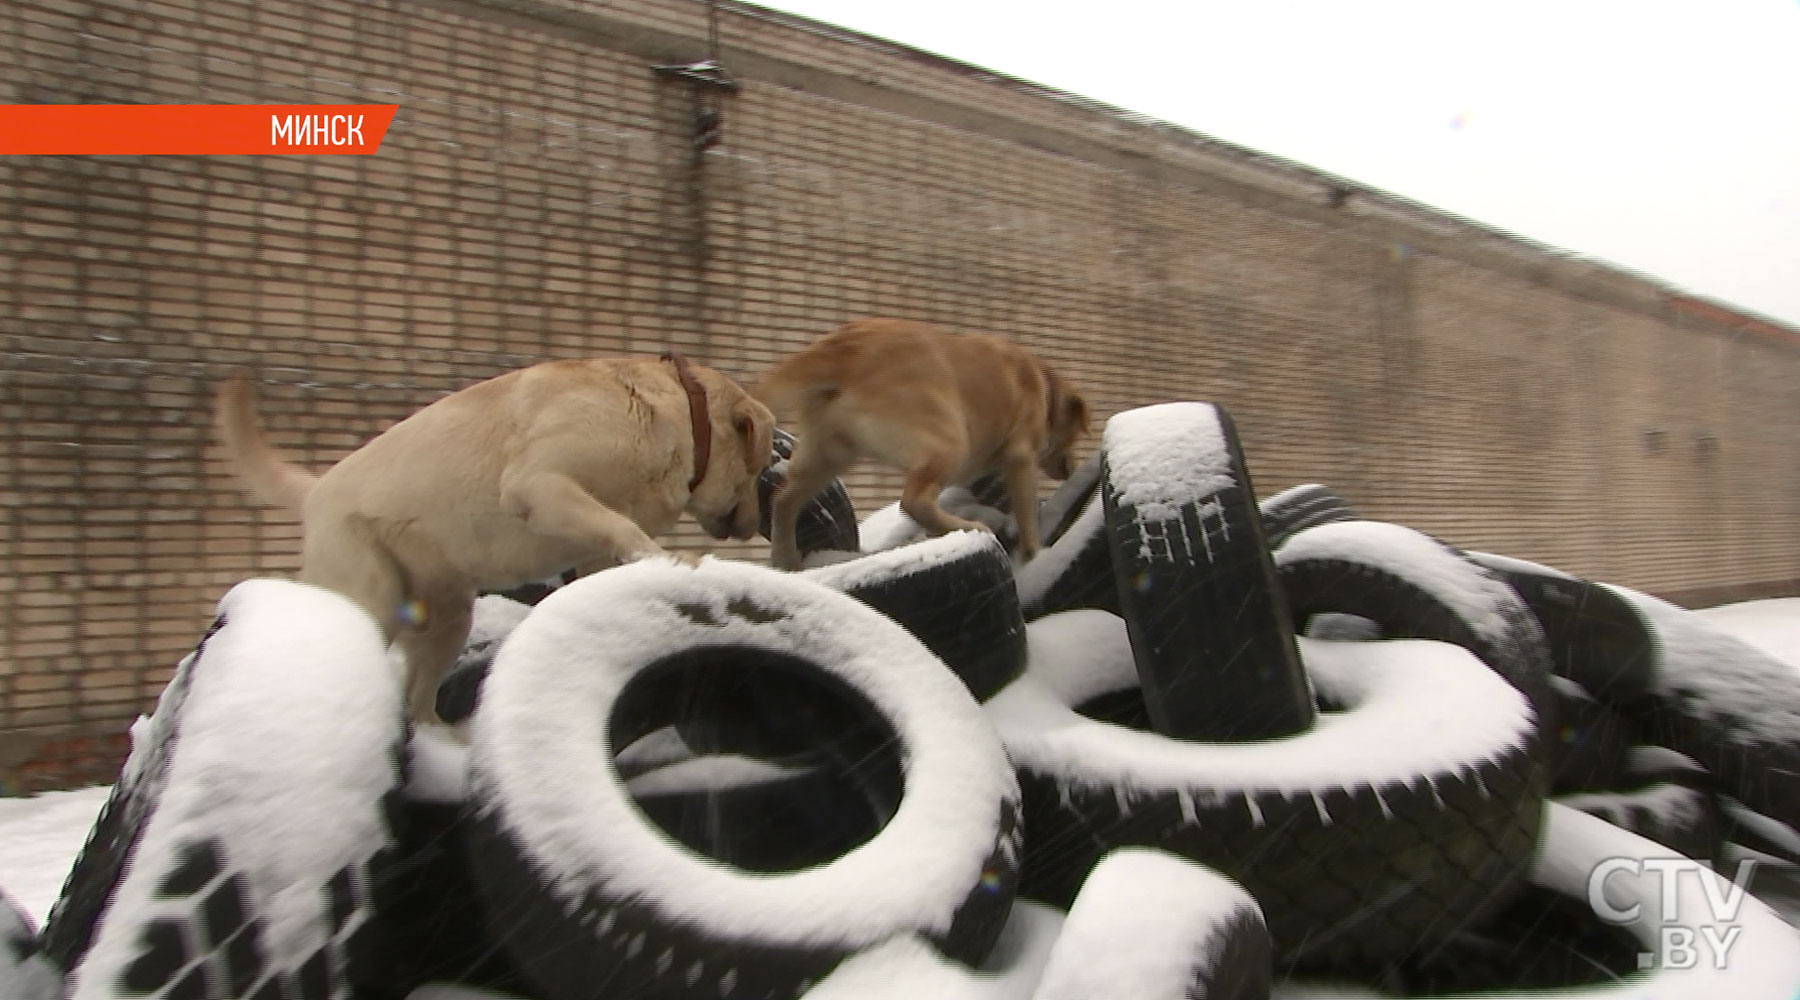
column 1676, row 939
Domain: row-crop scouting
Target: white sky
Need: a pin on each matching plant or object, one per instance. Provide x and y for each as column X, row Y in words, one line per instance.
column 1663, row 135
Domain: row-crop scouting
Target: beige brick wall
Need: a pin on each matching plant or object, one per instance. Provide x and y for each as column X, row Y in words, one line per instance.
column 534, row 199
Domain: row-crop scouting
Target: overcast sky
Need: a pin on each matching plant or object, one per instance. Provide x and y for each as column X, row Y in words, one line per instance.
column 1663, row 135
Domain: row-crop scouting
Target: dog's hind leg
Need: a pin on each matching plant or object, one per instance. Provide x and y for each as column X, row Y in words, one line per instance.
column 346, row 557
column 918, row 499
column 432, row 646
column 814, row 463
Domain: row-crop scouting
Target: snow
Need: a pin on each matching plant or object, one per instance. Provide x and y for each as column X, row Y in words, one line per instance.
column 1772, row 626
column 1508, row 564
column 711, row 773
column 1676, row 806
column 1480, row 599
column 1163, row 458
column 1035, row 578
column 1412, row 707
column 437, row 766
column 1144, row 925
column 24, row 975
column 546, row 698
column 39, row 838
column 292, row 713
column 889, row 527
column 906, row 560
column 1717, row 676
column 907, row 968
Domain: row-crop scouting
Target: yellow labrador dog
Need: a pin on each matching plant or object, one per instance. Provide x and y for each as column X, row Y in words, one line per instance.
column 518, row 478
column 942, row 407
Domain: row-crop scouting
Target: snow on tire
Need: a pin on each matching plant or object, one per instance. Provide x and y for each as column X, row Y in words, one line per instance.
column 269, row 781
column 1298, row 508
column 1762, row 960
column 1153, row 926
column 1725, row 703
column 1208, row 620
column 826, row 523
column 954, row 593
column 1595, row 637
column 26, row 973
column 492, row 619
column 1074, row 572
column 586, row 892
column 1417, row 587
column 1408, row 810
column 1680, row 817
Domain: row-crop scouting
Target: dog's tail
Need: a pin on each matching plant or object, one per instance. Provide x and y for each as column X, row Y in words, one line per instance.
column 795, row 388
column 270, row 476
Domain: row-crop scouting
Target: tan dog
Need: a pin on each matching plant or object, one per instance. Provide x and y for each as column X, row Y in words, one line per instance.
column 563, row 464
column 944, row 408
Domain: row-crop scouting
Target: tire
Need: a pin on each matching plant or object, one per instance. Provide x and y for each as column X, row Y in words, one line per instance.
column 1208, row 620
column 826, row 522
column 26, row 973
column 1595, row 637
column 1416, row 587
column 1726, row 704
column 1763, row 962
column 1298, row 508
column 1073, row 573
column 1066, row 502
column 585, row 892
column 1591, row 747
column 955, row 594
column 1390, row 824
column 1682, row 818
column 907, row 967
column 1152, row 926
column 493, row 619
column 248, row 872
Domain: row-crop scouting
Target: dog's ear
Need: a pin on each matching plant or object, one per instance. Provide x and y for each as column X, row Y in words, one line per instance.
column 1068, row 409
column 754, row 428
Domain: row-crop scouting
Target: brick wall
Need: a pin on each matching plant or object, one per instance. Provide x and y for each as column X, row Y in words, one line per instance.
column 537, row 198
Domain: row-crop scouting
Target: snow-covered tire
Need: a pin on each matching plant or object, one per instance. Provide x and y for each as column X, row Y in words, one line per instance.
column 585, row 891
column 1725, row 703
column 1417, row 587
column 1683, row 818
column 1208, row 620
column 1763, row 962
column 1396, row 819
column 826, row 522
column 492, row 619
column 1152, row 926
column 1591, row 747
column 1595, row 637
column 248, row 873
column 1298, row 508
column 26, row 973
column 1074, row 572
column 955, row 594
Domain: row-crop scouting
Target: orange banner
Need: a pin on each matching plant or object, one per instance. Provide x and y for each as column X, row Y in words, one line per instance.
column 193, row 129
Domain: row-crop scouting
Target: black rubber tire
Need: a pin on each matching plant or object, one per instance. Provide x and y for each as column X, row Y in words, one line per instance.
column 955, row 594
column 626, row 905
column 826, row 522
column 1206, row 932
column 1595, row 637
column 1590, row 749
column 280, row 771
column 1073, row 573
column 1417, row 587
column 1298, row 508
column 1726, row 704
column 26, row 973
column 1501, row 960
column 95, row 875
column 1345, row 863
column 493, row 618
column 1065, row 503
column 1207, row 617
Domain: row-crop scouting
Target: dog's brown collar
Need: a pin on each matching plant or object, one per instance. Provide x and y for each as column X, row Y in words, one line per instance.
column 696, row 395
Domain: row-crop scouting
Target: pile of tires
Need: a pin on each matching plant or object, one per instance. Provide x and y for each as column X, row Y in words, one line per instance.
column 1200, row 746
